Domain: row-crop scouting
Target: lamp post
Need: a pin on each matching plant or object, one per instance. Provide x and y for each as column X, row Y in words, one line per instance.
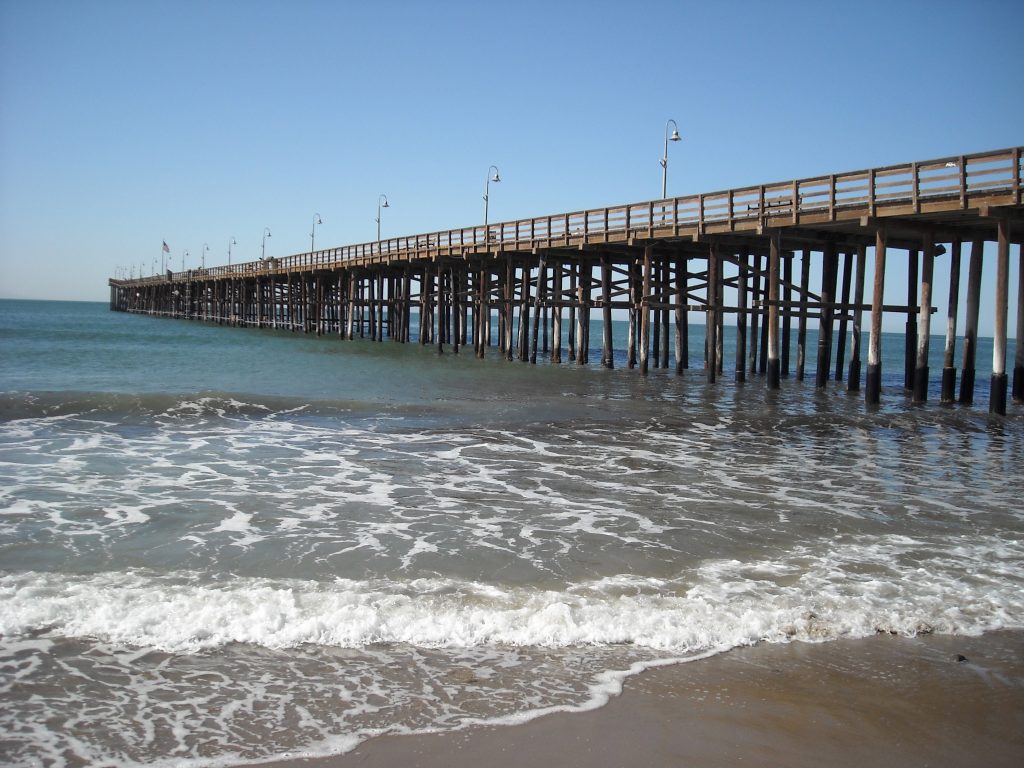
column 231, row 242
column 202, row 256
column 183, row 255
column 263, row 251
column 664, row 158
column 312, row 235
column 382, row 202
column 487, row 195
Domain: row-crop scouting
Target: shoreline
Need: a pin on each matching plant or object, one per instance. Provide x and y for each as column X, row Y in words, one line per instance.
column 935, row 700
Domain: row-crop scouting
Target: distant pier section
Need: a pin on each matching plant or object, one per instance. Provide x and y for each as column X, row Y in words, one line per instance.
column 510, row 288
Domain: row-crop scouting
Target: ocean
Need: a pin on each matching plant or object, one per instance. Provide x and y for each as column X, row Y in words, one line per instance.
column 221, row 546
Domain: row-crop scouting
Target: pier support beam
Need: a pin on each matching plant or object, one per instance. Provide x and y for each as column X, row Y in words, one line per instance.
column 844, row 314
column 910, row 348
column 711, row 329
column 997, row 399
column 538, row 302
column 633, row 283
column 971, row 328
column 829, row 269
column 853, row 380
column 948, row 394
column 757, row 301
column 773, row 368
column 741, row 318
column 556, row 313
column 787, row 310
column 924, row 321
column 682, row 326
column 645, row 313
column 873, row 384
column 1018, row 357
column 666, row 290
column 801, row 329
column 607, row 348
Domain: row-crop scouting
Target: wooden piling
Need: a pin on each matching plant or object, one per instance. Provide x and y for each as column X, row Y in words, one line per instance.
column 537, row 303
column 656, row 320
column 1018, row 355
column 801, row 332
column 844, row 315
column 439, row 298
column 741, row 318
column 853, row 380
column 910, row 344
column 711, row 319
column 829, row 268
column 967, row 374
column 666, row 289
column 573, row 278
column 948, row 393
column 787, row 313
column 681, row 312
column 607, row 353
column 997, row 398
column 634, row 282
column 773, row 369
column 583, row 315
column 720, row 316
column 645, row 314
column 522, row 350
column 873, row 383
column 556, row 314
column 924, row 321
column 756, row 297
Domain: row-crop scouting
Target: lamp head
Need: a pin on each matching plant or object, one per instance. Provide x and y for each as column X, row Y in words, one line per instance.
column 675, row 135
column 496, row 177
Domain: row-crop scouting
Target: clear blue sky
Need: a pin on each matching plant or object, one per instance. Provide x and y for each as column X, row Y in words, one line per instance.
column 125, row 124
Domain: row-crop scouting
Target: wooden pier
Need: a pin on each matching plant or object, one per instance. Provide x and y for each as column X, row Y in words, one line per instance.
column 659, row 260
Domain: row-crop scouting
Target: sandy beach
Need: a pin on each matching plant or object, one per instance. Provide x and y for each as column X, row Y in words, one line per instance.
column 927, row 701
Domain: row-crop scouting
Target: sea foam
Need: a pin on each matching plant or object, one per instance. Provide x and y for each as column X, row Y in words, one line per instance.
column 894, row 585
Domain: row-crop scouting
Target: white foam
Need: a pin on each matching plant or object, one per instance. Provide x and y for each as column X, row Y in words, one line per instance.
column 854, row 590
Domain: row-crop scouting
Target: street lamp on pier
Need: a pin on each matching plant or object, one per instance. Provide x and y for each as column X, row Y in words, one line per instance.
column 263, row 251
column 487, row 196
column 312, row 235
column 184, row 254
column 664, row 158
column 231, row 242
column 382, row 202
column 202, row 257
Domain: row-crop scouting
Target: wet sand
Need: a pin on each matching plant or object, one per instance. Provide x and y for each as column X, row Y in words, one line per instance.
column 931, row 701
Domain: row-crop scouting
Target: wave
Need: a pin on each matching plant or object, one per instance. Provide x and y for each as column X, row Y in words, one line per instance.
column 851, row 592
column 119, row 406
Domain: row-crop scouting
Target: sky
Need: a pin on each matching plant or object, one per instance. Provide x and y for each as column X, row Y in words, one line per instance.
column 126, row 124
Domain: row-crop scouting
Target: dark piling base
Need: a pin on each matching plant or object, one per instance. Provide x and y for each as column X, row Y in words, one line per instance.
column 853, row 385
column 920, row 384
column 873, row 385
column 774, row 373
column 948, row 385
column 967, row 386
column 1018, row 384
column 997, row 401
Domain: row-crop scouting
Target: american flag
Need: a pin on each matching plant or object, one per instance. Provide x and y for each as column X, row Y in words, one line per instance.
column 166, row 249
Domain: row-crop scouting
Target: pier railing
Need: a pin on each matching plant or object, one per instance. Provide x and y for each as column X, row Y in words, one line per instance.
column 945, row 184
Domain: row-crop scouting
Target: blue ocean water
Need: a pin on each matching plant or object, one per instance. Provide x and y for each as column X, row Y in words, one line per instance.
column 220, row 545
